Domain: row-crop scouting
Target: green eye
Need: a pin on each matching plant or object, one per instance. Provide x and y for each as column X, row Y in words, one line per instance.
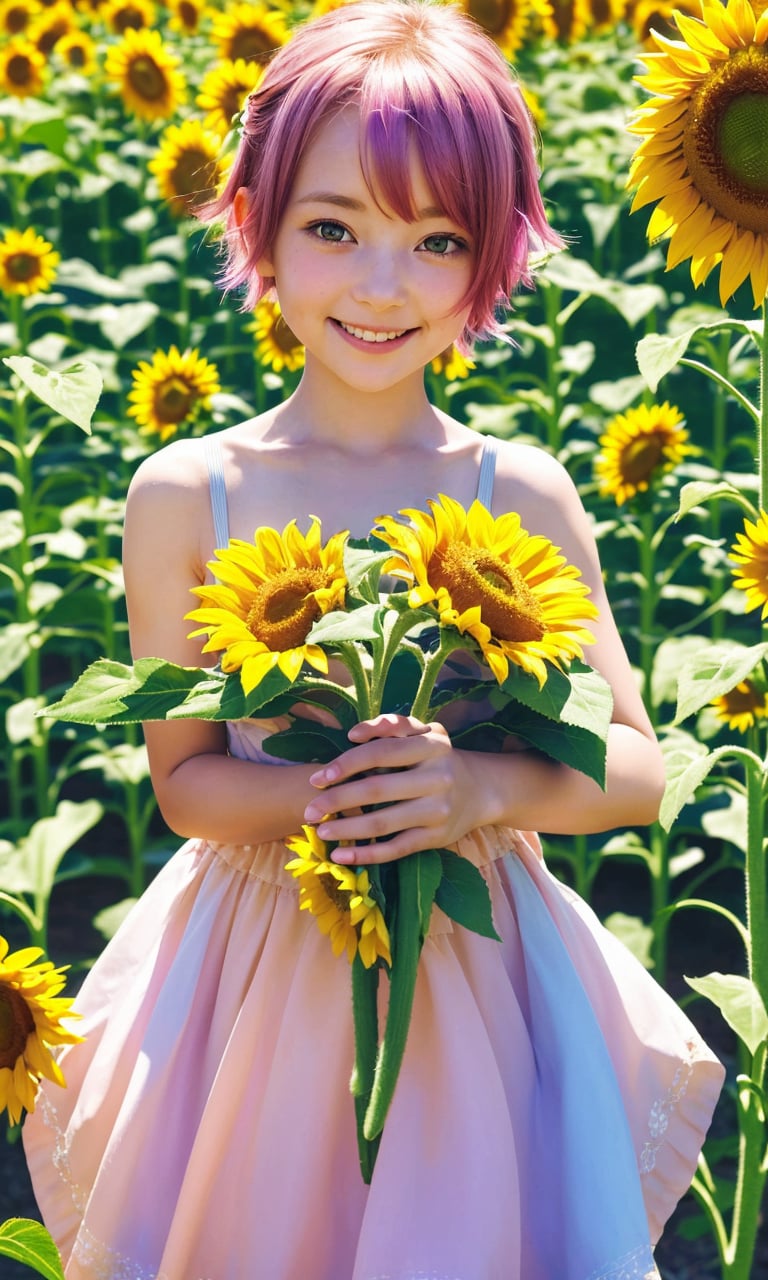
column 438, row 244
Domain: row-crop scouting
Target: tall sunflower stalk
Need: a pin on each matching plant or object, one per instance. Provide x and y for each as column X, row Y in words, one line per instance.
column 287, row 603
column 703, row 159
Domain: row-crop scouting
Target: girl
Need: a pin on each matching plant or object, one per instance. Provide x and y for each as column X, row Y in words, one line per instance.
column 553, row 1099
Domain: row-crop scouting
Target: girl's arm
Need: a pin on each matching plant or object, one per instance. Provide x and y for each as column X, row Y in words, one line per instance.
column 444, row 792
column 201, row 790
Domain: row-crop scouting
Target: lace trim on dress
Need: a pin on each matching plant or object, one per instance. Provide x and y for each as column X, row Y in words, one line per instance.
column 662, row 1109
column 637, row 1265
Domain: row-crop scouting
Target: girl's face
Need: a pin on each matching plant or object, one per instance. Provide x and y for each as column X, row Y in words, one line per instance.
column 372, row 297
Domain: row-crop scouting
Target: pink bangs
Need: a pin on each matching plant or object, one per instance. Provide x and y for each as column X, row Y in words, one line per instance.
column 420, row 76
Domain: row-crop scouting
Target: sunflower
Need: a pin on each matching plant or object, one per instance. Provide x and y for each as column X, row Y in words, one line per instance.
column 638, row 447
column 16, row 16
column 513, row 593
column 505, row 21
column 30, row 1022
column 250, row 31
column 172, row 390
column 658, row 15
column 321, row 7
column 340, row 898
column 187, row 15
column 78, row 51
column 741, row 706
column 276, row 344
column 267, row 597
column 52, row 25
column 27, row 263
column 750, row 552
column 147, row 74
column 564, row 20
column 128, row 15
column 451, row 363
column 223, row 92
column 22, row 68
column 605, row 15
column 188, row 166
column 703, row 155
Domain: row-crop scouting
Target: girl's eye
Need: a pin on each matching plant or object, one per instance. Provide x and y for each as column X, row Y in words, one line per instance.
column 443, row 245
column 332, row 232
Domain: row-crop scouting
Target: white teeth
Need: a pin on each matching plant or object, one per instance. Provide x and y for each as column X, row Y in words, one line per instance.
column 368, row 335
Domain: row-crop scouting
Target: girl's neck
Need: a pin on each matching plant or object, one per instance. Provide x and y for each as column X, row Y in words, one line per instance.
column 325, row 411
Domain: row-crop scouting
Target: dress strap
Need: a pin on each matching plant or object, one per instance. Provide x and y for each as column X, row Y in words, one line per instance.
column 215, row 463
column 487, row 471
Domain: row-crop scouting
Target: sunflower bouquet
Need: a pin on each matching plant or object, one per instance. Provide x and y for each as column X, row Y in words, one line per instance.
column 391, row 612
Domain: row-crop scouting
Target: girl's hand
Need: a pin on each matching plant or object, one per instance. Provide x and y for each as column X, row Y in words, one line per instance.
column 429, row 796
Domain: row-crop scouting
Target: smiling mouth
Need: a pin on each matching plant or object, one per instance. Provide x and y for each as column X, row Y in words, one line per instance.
column 372, row 335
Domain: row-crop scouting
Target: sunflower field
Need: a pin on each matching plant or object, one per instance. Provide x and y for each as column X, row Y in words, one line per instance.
column 640, row 360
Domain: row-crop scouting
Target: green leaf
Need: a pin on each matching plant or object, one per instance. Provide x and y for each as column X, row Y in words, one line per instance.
column 110, row 692
column 429, row 870
column 16, row 644
column 658, row 353
column 363, row 568
column 307, row 742
column 739, row 1001
column 636, row 935
column 682, row 785
column 698, row 492
column 713, row 672
column 29, row 1242
column 463, row 895
column 340, row 626
column 31, row 866
column 582, row 697
column 74, row 392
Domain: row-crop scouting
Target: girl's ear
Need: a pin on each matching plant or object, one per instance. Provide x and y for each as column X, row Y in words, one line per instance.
column 241, row 207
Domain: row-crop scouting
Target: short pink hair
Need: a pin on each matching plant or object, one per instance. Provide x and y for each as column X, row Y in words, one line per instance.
column 419, row 73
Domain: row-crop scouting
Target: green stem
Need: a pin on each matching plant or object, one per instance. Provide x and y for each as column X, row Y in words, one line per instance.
column 751, row 1176
column 432, row 667
column 659, row 864
column 755, row 875
column 762, row 428
column 365, row 985
column 350, row 656
column 381, row 667
column 406, row 949
column 648, row 601
column 725, row 383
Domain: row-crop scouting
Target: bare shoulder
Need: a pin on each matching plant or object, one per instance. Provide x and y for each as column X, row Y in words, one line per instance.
column 530, row 481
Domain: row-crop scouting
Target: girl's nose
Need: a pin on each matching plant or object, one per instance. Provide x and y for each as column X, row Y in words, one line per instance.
column 381, row 283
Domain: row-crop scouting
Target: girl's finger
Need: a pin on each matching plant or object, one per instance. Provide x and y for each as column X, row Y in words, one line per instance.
column 388, row 726
column 378, row 753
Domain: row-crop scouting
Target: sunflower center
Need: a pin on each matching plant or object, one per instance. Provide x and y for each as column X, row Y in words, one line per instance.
column 129, row 19
column 640, row 459
column 147, row 79
column 22, row 267
column 473, row 575
column 724, row 139
column 493, row 15
column 76, row 55
column 194, row 175
column 19, row 69
column 16, row 1024
column 284, row 609
column 250, row 42
column 283, row 336
column 744, row 698
column 334, row 891
column 174, row 400
column 189, row 15
column 742, row 135
column 16, row 19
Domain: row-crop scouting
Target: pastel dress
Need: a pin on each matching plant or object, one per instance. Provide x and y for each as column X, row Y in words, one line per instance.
column 549, row 1113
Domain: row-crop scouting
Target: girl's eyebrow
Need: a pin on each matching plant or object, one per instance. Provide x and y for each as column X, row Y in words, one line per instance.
column 357, row 206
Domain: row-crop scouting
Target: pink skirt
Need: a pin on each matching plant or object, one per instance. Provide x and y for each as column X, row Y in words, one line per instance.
column 548, row 1116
